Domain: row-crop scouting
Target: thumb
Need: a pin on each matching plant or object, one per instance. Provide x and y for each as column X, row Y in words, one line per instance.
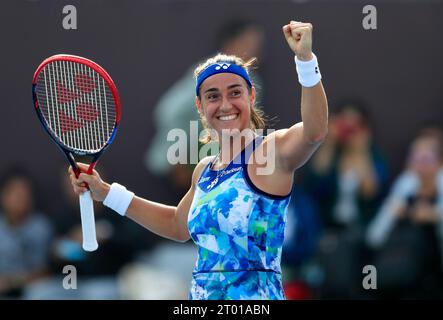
column 83, row 166
column 287, row 32
column 84, row 177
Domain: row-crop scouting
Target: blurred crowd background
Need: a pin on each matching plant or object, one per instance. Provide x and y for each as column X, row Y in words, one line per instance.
column 371, row 195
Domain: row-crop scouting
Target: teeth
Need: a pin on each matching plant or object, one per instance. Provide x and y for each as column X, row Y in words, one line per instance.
column 226, row 118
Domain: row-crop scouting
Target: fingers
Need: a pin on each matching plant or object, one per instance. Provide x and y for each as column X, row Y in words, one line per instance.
column 299, row 27
column 80, row 183
column 298, row 24
column 287, row 31
column 82, row 166
column 296, row 29
column 92, row 182
column 78, row 186
column 80, row 190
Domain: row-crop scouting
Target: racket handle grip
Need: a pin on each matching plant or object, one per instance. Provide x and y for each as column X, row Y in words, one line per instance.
column 88, row 222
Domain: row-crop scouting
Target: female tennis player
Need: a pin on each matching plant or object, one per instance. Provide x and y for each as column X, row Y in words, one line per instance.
column 235, row 209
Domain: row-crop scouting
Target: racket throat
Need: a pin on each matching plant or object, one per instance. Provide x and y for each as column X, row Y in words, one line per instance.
column 73, row 164
column 76, row 168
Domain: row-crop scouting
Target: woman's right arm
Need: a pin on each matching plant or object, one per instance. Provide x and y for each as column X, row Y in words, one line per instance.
column 166, row 221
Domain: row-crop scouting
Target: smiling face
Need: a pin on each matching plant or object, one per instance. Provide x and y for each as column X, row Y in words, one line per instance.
column 225, row 102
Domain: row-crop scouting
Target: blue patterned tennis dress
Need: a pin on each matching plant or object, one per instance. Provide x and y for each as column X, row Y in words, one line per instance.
column 239, row 233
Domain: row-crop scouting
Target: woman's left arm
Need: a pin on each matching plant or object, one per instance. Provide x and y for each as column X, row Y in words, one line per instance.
column 294, row 146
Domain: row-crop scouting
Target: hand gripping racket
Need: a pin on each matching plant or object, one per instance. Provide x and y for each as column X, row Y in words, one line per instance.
column 78, row 105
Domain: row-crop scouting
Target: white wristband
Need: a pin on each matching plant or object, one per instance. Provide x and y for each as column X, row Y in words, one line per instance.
column 308, row 71
column 118, row 198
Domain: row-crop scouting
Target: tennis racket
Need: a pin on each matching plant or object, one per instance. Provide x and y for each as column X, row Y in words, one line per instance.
column 78, row 105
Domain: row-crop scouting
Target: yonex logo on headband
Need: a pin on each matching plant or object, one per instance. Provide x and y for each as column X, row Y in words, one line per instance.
column 221, row 67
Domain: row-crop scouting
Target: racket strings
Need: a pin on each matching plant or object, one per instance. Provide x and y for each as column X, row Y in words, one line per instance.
column 77, row 105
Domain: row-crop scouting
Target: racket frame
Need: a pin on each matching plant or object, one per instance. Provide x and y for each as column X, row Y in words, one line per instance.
column 68, row 151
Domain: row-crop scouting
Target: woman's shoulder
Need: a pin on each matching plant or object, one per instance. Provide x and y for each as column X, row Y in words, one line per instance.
column 200, row 167
column 204, row 162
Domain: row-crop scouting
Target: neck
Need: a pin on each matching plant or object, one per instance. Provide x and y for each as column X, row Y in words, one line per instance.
column 232, row 145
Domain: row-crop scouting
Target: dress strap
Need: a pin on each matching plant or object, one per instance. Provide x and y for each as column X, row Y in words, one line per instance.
column 249, row 149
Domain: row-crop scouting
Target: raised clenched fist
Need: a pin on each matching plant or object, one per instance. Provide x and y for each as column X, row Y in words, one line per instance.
column 299, row 38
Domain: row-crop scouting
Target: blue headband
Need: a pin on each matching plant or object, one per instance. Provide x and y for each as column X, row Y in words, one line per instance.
column 221, row 68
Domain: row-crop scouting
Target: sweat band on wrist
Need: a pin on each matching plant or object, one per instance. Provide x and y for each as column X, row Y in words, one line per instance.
column 308, row 71
column 118, row 199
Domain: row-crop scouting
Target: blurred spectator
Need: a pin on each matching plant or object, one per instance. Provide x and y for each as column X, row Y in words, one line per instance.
column 348, row 173
column 302, row 229
column 347, row 177
column 302, row 233
column 25, row 234
column 176, row 108
column 407, row 231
